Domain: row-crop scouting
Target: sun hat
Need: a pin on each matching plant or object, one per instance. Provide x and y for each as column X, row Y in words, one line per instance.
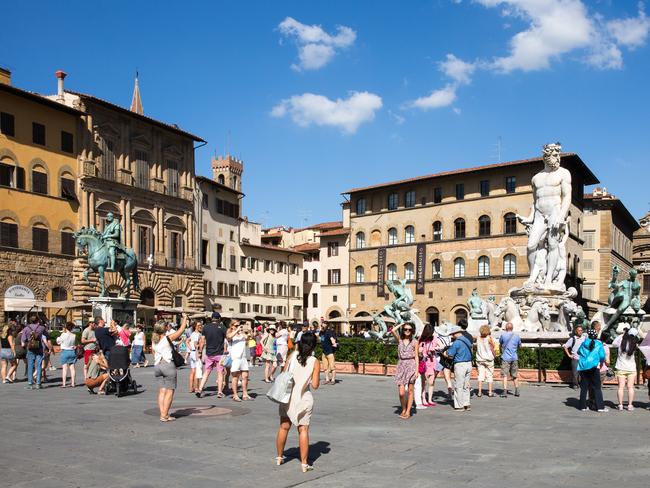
column 454, row 329
column 633, row 331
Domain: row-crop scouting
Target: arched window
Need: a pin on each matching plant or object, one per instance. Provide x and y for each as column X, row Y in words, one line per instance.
column 460, row 314
column 433, row 316
column 392, row 272
column 359, row 274
column 409, row 272
column 484, row 266
column 509, row 265
column 314, row 276
column 361, row 240
column 436, row 269
column 305, row 276
column 484, row 225
column 221, row 179
column 392, row 236
column 375, row 238
column 393, row 201
column 39, row 180
column 361, row 206
column 459, row 268
column 409, row 234
column 509, row 223
column 59, row 294
column 437, row 230
column 459, row 229
column 40, row 238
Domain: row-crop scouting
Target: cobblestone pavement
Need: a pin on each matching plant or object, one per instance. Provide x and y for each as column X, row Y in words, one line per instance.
column 67, row 438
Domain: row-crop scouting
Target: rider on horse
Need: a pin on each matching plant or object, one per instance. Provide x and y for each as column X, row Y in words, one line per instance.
column 112, row 237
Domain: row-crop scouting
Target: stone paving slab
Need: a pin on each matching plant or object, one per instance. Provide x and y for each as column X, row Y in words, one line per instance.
column 537, row 440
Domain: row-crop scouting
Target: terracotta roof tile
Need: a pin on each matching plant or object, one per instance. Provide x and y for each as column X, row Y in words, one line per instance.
column 307, row 246
column 336, row 232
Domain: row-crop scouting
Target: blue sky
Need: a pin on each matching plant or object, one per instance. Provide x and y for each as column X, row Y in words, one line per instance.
column 382, row 90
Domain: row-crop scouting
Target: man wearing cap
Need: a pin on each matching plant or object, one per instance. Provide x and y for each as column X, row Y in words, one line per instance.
column 509, row 342
column 213, row 339
column 461, row 353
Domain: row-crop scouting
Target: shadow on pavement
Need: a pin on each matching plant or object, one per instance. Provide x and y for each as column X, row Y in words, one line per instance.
column 315, row 451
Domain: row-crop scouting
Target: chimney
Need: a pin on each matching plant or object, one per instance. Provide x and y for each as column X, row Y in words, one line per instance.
column 5, row 76
column 60, row 75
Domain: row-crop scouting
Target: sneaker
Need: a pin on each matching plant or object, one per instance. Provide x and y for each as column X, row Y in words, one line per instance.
column 584, row 409
column 630, row 408
column 603, row 410
column 39, row 386
column 620, row 408
column 29, row 387
column 468, row 408
column 421, row 407
column 504, row 394
column 517, row 392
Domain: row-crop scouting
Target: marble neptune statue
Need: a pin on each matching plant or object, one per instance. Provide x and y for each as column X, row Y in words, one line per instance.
column 547, row 225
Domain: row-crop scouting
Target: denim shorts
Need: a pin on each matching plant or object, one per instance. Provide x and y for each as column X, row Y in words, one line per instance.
column 68, row 356
column 7, row 354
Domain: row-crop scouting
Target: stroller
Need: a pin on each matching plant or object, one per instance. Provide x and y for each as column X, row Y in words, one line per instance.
column 119, row 376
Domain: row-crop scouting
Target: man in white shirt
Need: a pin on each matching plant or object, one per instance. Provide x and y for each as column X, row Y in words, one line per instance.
column 571, row 350
column 282, row 343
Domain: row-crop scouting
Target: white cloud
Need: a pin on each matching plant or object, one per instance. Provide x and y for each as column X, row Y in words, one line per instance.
column 399, row 120
column 316, row 47
column 346, row 114
column 436, row 99
column 458, row 70
column 631, row 32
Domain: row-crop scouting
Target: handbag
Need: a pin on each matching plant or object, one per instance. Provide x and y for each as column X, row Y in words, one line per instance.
column 226, row 361
column 177, row 359
column 282, row 387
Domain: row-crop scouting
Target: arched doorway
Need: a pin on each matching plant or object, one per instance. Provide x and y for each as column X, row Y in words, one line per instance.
column 334, row 314
column 433, row 316
column 148, row 297
column 460, row 313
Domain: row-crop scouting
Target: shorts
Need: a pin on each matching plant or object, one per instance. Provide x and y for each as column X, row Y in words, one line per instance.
column 621, row 373
column 68, row 356
column 166, row 374
column 195, row 362
column 7, row 354
column 212, row 362
column 88, row 354
column 511, row 368
column 328, row 362
column 485, row 371
column 239, row 365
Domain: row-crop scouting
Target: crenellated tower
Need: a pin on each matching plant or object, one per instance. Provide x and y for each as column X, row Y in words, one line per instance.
column 228, row 171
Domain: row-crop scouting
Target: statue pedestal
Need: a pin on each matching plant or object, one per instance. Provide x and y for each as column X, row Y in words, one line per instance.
column 121, row 310
column 474, row 324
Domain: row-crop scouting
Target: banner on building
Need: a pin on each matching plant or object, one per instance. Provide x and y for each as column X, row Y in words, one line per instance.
column 420, row 269
column 381, row 271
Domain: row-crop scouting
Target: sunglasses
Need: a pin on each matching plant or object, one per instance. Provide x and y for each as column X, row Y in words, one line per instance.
column 408, row 330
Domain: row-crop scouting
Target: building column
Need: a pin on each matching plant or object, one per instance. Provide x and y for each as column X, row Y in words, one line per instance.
column 83, row 200
column 91, row 209
column 128, row 225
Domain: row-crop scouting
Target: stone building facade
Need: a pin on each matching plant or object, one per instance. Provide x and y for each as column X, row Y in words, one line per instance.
column 142, row 171
column 39, row 192
column 641, row 258
column 450, row 232
column 608, row 231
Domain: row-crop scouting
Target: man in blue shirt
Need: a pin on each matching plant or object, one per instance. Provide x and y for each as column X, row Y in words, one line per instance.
column 461, row 353
column 509, row 342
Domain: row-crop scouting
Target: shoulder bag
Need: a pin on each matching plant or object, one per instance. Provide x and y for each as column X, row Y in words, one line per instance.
column 177, row 359
column 282, row 387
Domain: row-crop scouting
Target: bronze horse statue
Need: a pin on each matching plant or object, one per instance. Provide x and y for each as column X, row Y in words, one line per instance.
column 126, row 262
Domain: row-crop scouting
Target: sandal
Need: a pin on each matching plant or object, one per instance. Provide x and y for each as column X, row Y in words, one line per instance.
column 236, row 399
column 219, row 395
column 247, row 398
column 279, row 460
column 307, row 467
column 167, row 419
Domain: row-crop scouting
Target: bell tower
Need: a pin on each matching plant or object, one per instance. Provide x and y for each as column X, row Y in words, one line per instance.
column 227, row 170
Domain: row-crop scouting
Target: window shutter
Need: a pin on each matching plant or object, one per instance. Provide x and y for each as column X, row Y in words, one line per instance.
column 20, row 178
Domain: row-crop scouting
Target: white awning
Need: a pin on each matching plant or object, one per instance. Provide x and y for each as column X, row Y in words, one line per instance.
column 20, row 305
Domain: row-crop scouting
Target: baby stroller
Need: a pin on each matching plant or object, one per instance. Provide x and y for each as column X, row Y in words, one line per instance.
column 119, row 377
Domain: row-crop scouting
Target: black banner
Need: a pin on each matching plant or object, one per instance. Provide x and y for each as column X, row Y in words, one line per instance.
column 381, row 271
column 420, row 269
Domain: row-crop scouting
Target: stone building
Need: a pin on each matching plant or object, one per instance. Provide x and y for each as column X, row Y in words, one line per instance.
column 270, row 277
column 40, row 197
column 607, row 233
column 218, row 221
column 641, row 258
column 141, row 170
column 334, row 268
column 450, row 232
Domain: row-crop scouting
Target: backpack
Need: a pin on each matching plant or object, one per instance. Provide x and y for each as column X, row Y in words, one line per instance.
column 34, row 341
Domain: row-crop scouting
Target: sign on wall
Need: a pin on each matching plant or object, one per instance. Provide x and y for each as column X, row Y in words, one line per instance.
column 420, row 269
column 381, row 271
column 18, row 298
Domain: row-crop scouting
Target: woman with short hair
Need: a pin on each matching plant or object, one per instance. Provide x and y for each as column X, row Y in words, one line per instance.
column 306, row 373
column 165, row 369
column 68, row 342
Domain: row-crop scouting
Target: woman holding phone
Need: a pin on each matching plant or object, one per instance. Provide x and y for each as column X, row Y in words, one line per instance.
column 239, row 367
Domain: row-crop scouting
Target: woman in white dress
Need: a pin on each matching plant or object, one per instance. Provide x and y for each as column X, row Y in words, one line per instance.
column 306, row 372
column 239, row 366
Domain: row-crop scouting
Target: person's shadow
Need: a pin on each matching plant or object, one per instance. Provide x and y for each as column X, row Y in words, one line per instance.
column 315, row 451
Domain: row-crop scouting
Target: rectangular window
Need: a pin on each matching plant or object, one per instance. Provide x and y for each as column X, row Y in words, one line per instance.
column 242, row 262
column 67, row 243
column 220, row 206
column 176, row 249
column 7, row 175
column 332, row 249
column 232, row 236
column 39, row 182
column 172, row 178
column 204, row 201
column 511, row 184
column 38, row 133
column 314, row 300
column 142, row 169
column 8, row 234
column 268, row 265
column 145, row 243
column 460, row 191
column 233, row 262
column 393, row 201
column 220, row 252
column 588, row 265
column 333, row 276
column 362, row 297
column 242, row 308
column 485, row 188
column 207, row 287
column 68, row 189
column 437, row 195
column 409, row 199
column 646, row 282
column 232, row 290
column 67, row 142
column 108, row 160
column 335, row 298
column 590, row 239
column 40, row 239
column 7, row 124
column 205, row 255
column 588, row 292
